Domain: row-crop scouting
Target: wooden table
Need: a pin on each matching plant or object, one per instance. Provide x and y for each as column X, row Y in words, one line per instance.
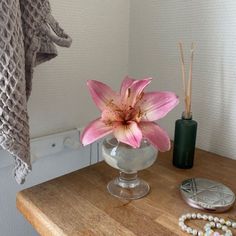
column 79, row 204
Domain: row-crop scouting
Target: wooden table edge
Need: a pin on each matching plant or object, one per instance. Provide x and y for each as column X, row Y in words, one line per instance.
column 40, row 222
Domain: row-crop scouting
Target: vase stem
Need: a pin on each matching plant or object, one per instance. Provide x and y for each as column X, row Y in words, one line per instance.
column 128, row 180
column 128, row 186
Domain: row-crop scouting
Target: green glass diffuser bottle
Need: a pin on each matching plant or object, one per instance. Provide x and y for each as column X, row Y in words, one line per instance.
column 185, row 128
column 184, row 142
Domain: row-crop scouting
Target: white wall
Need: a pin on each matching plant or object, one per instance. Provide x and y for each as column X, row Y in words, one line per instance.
column 99, row 29
column 156, row 27
column 60, row 99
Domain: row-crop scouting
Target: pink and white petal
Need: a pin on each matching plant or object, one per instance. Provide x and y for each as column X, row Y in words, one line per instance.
column 94, row 131
column 155, row 105
column 158, row 137
column 129, row 134
column 101, row 93
column 133, row 93
column 126, row 83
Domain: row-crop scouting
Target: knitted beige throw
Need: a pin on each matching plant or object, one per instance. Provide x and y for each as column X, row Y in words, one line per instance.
column 28, row 32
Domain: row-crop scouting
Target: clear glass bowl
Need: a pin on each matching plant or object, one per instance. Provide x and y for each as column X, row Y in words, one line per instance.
column 128, row 161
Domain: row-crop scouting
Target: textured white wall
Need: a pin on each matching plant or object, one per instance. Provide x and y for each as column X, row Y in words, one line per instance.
column 100, row 29
column 156, row 27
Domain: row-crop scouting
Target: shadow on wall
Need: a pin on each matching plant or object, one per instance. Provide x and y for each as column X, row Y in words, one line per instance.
column 216, row 89
column 223, row 123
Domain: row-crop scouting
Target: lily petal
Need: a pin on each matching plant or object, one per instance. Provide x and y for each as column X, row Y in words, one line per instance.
column 101, row 93
column 155, row 135
column 129, row 134
column 126, row 83
column 155, row 105
column 134, row 91
column 94, row 131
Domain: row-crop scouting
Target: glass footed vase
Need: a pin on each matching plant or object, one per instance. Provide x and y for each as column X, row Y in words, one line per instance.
column 128, row 161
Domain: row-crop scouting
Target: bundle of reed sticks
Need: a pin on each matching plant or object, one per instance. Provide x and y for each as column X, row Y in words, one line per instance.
column 187, row 83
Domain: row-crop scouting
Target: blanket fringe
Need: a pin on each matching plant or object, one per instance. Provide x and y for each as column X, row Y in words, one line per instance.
column 21, row 170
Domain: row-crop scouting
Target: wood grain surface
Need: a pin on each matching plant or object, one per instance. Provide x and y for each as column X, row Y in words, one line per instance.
column 79, row 204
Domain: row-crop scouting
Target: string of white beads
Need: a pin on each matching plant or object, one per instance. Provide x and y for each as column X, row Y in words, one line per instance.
column 214, row 222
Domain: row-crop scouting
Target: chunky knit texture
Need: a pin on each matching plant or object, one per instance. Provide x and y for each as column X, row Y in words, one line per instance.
column 27, row 36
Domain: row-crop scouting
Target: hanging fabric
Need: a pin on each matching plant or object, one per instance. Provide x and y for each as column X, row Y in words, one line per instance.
column 28, row 34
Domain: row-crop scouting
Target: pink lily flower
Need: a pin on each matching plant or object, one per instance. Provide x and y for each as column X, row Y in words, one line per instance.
column 130, row 114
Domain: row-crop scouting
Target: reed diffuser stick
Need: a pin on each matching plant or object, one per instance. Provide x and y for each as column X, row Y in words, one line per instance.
column 189, row 90
column 183, row 71
column 187, row 84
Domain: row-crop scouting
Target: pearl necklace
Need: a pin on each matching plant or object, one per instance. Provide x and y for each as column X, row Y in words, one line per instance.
column 214, row 222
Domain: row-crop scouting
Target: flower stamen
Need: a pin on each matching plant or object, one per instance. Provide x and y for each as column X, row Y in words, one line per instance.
column 129, row 92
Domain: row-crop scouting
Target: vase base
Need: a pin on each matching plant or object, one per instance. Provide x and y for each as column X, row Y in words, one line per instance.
column 132, row 192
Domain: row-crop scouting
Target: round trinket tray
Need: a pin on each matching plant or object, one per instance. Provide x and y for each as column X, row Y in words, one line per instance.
column 207, row 194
